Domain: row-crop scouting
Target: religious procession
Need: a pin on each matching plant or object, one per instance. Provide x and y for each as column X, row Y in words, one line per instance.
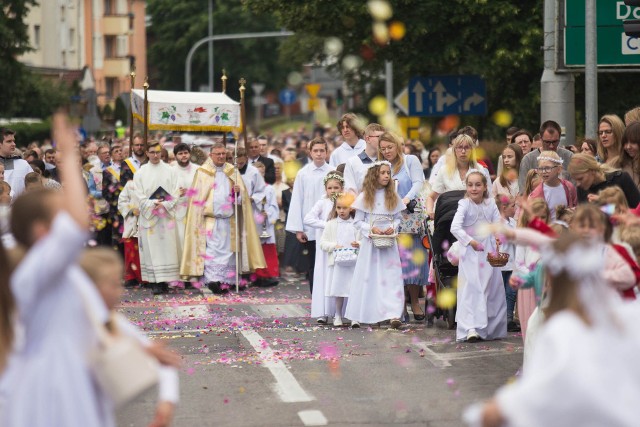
column 208, row 265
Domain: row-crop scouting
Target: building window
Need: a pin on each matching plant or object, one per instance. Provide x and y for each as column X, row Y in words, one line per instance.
column 110, row 46
column 111, row 87
column 36, row 36
column 108, row 7
column 72, row 39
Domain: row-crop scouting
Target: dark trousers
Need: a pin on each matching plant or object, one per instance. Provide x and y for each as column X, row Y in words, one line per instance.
column 511, row 295
column 310, row 249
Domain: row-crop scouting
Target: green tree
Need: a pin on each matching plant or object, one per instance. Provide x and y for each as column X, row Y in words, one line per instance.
column 499, row 40
column 176, row 26
column 14, row 41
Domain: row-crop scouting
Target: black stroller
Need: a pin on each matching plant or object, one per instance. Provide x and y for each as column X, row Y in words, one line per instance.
column 443, row 271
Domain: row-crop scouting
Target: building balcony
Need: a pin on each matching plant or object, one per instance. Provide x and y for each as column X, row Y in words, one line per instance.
column 116, row 67
column 115, row 25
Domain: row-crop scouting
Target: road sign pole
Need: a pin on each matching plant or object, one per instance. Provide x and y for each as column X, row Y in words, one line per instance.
column 557, row 91
column 590, row 70
column 388, row 72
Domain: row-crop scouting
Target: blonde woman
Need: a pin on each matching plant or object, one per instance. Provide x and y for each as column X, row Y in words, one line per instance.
column 460, row 158
column 591, row 177
column 610, row 130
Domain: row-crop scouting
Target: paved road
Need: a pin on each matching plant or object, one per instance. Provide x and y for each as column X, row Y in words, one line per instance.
column 257, row 359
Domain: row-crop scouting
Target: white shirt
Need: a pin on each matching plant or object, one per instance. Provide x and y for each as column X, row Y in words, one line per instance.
column 308, row 188
column 185, row 180
column 15, row 177
column 554, row 196
column 445, row 182
column 345, row 151
column 436, row 168
column 354, row 172
column 255, row 185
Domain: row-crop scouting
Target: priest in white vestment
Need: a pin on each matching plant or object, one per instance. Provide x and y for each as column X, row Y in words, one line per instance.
column 157, row 189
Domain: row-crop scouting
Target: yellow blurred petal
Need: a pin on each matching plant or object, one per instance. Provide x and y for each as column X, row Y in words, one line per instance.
column 380, row 9
column 397, row 30
column 291, row 168
column 446, row 298
column 502, row 118
column 378, row 105
column 380, row 33
column 405, row 241
column 418, row 257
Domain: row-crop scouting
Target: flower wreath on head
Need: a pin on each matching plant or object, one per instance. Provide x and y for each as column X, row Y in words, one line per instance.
column 380, row 163
column 470, row 171
column 550, row 159
column 333, row 175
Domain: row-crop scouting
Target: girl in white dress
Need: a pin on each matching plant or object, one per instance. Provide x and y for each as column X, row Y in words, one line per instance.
column 340, row 241
column 321, row 306
column 377, row 288
column 586, row 351
column 482, row 306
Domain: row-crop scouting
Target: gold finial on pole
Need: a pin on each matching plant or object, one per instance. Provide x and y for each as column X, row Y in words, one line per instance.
column 243, row 114
column 146, row 111
column 132, row 76
column 224, row 80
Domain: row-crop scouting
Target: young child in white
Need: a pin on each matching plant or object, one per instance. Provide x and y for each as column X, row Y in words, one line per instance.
column 553, row 189
column 481, row 312
column 340, row 241
column 507, row 207
column 377, row 288
column 104, row 267
column 316, row 218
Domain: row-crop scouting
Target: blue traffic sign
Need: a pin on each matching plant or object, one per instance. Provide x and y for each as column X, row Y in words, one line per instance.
column 287, row 96
column 444, row 95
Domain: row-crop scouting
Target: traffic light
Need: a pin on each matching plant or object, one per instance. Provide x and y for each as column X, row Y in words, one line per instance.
column 632, row 26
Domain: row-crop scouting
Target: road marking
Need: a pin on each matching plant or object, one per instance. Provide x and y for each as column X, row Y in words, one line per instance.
column 436, row 359
column 313, row 417
column 200, row 311
column 286, row 386
column 280, row 310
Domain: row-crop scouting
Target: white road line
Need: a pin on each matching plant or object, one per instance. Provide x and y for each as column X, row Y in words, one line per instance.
column 436, row 359
column 286, row 386
column 200, row 311
column 313, row 417
column 280, row 310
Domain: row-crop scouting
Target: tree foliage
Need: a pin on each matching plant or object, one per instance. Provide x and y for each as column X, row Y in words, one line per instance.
column 499, row 40
column 176, row 26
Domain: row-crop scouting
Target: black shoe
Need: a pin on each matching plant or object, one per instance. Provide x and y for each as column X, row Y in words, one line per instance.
column 272, row 281
column 159, row 288
column 216, row 288
column 513, row 326
column 131, row 283
column 419, row 317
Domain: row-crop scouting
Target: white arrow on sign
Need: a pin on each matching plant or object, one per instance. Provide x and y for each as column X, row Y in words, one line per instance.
column 472, row 101
column 443, row 100
column 418, row 90
column 402, row 101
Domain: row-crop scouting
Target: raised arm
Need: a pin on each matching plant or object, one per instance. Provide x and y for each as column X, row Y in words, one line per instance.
column 75, row 190
column 314, row 217
column 456, row 225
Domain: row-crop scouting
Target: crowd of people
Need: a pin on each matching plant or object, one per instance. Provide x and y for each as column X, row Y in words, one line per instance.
column 348, row 207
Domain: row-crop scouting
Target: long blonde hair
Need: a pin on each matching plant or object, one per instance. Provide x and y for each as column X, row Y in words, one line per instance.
column 612, row 157
column 370, row 185
column 394, row 139
column 451, row 163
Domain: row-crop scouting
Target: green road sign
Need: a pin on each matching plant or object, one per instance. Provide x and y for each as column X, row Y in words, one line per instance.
column 615, row 48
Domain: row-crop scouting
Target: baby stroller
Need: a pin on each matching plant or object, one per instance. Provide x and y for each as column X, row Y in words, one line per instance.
column 440, row 232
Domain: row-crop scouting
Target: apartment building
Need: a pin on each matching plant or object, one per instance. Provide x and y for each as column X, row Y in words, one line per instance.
column 108, row 36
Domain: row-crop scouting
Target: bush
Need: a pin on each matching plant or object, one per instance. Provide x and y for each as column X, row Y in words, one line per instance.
column 28, row 132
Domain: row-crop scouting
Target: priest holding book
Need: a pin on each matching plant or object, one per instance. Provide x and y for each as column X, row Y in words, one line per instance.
column 157, row 189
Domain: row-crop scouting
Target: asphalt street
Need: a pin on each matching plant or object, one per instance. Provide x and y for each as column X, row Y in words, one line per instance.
column 257, row 359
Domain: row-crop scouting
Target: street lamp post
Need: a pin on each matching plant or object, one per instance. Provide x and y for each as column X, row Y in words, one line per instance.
column 196, row 45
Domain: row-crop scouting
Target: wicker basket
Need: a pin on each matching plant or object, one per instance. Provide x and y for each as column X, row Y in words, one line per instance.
column 497, row 258
column 383, row 240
